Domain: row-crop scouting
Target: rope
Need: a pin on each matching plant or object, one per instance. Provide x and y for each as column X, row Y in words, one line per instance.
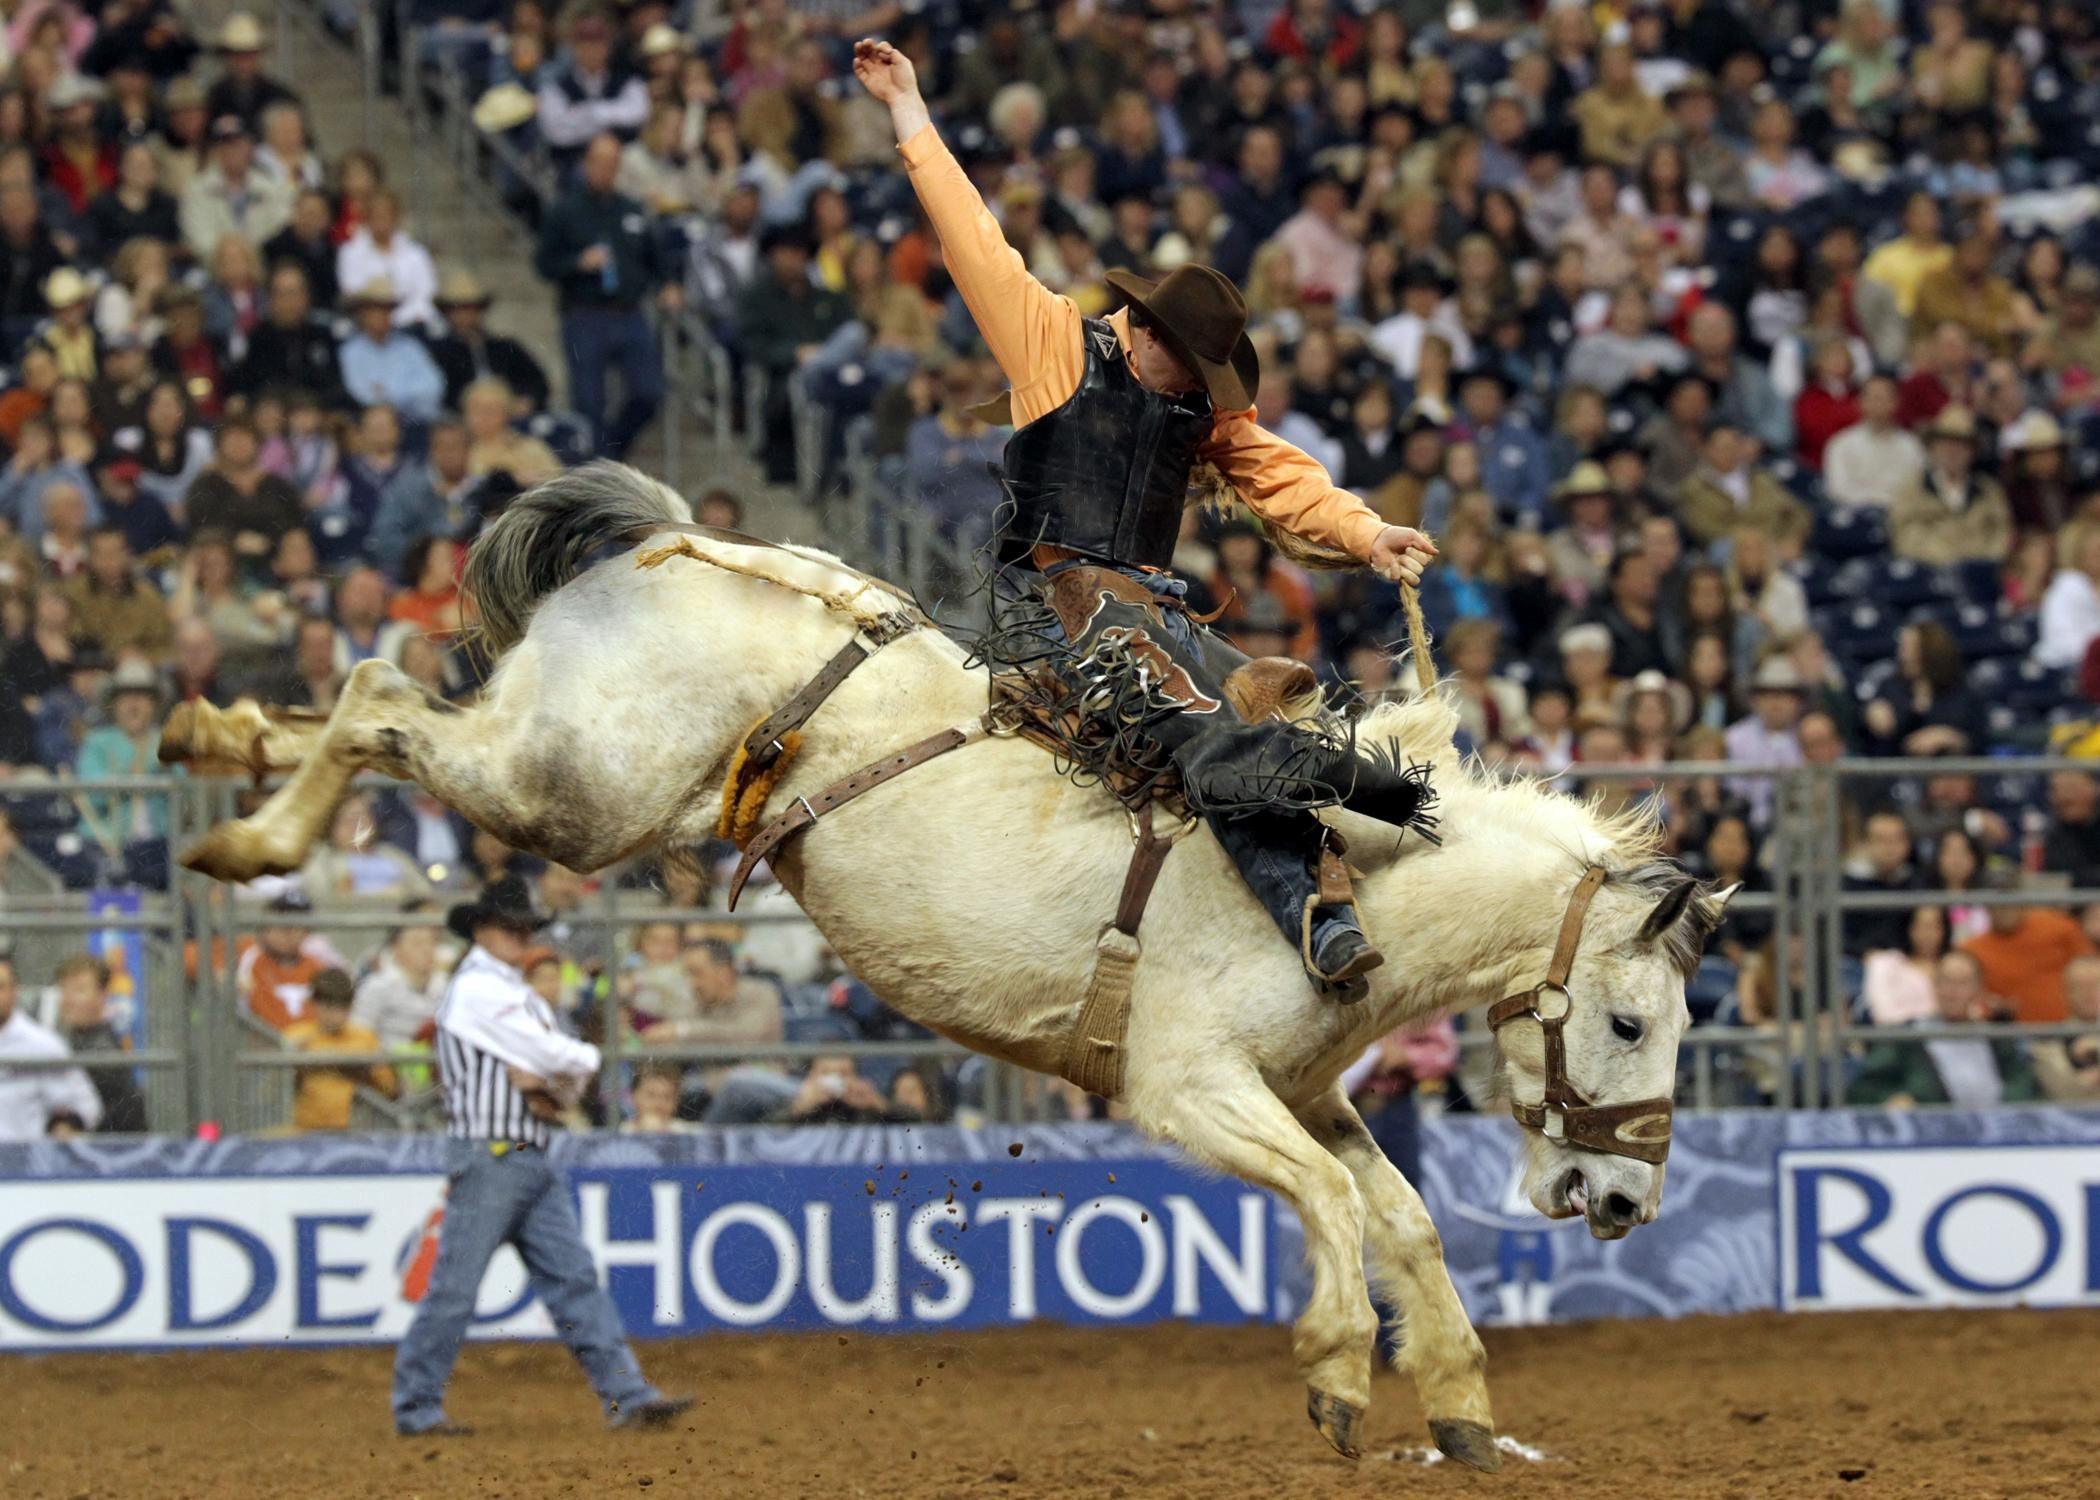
column 1418, row 638
column 837, row 602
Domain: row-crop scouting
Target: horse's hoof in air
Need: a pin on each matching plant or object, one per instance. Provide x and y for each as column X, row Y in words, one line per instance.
column 1468, row 1442
column 176, row 735
column 231, row 853
column 1337, row 1420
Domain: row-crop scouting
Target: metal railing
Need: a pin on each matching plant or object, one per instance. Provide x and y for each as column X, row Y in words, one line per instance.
column 201, row 1059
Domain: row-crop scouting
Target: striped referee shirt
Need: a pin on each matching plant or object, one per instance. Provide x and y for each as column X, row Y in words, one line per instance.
column 490, row 1022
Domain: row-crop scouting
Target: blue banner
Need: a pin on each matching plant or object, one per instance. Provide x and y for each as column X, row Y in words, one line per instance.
column 307, row 1240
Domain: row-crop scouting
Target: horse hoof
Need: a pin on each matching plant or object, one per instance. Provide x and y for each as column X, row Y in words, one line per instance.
column 1468, row 1442
column 229, row 853
column 177, row 734
column 1338, row 1421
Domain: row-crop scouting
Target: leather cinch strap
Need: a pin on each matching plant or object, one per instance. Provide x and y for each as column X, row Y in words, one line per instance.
column 804, row 811
column 1094, row 1049
column 762, row 745
column 1639, row 1129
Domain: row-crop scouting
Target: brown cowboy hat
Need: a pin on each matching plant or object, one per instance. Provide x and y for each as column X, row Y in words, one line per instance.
column 1202, row 317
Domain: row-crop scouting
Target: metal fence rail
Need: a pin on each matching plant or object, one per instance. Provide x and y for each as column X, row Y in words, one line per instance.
column 200, row 1059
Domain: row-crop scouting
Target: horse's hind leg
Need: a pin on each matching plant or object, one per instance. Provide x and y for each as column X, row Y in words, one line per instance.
column 1439, row 1347
column 498, row 763
column 246, row 737
column 1231, row 1120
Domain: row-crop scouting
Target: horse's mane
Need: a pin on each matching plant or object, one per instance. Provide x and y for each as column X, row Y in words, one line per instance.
column 1626, row 840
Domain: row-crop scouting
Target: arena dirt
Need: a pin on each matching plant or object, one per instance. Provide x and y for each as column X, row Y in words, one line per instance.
column 1951, row 1406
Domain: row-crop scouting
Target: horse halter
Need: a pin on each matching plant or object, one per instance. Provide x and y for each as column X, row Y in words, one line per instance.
column 1639, row 1129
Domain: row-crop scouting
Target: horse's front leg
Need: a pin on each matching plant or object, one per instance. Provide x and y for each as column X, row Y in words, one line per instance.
column 1228, row 1117
column 1438, row 1345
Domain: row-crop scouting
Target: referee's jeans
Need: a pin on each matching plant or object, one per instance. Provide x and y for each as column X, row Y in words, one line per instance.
column 518, row 1198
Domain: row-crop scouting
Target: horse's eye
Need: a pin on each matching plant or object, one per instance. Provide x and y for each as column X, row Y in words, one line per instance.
column 1625, row 1028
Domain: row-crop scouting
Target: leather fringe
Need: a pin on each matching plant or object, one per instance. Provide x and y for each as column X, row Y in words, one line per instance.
column 747, row 789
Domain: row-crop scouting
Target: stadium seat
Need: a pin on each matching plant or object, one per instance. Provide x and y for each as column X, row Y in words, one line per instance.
column 1858, row 632
column 1849, row 531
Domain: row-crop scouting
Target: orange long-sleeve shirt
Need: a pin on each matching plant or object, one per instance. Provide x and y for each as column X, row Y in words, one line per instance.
column 1034, row 334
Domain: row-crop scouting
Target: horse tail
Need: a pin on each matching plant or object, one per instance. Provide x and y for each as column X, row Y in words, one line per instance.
column 546, row 537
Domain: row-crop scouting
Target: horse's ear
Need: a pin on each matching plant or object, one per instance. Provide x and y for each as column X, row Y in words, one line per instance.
column 1723, row 896
column 1669, row 911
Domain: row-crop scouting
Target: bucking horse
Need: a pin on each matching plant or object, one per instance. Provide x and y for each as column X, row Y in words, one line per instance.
column 970, row 884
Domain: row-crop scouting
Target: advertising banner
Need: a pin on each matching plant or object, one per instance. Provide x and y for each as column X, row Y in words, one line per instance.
column 321, row 1240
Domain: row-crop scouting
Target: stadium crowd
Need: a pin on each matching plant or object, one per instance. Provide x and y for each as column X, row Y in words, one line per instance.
column 1743, row 356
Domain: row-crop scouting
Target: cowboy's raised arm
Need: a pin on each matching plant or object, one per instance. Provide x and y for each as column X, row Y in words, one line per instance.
column 1032, row 332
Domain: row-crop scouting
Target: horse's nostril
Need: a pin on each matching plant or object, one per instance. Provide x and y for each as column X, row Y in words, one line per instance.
column 1623, row 1210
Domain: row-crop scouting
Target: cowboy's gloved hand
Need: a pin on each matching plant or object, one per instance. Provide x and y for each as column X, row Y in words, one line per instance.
column 1400, row 554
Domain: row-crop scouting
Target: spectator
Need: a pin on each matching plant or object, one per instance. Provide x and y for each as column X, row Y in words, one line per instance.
column 2024, row 954
column 381, row 364
column 1967, row 293
column 727, row 1006
column 232, row 195
column 2068, row 1069
column 2070, row 613
column 466, row 351
column 237, row 495
column 436, row 498
column 2069, row 337
column 187, row 351
column 363, row 629
column 308, row 242
column 1886, row 864
column 354, row 863
column 653, row 1106
column 136, row 208
column 1728, row 491
column 1929, row 709
column 326, row 1093
column 833, row 1092
column 31, row 1098
column 275, row 974
column 949, row 453
column 1969, row 1072
column 1768, row 737
column 598, row 249
column 244, row 91
column 170, row 444
column 1897, row 984
column 2039, row 484
column 399, row 997
column 84, row 1023
column 1951, row 514
column 290, row 349
column 380, row 252
column 2071, row 847
column 113, row 605
column 494, row 444
column 590, row 92
column 286, row 153
column 1743, row 391
column 1873, row 461
column 1631, row 615
column 125, row 747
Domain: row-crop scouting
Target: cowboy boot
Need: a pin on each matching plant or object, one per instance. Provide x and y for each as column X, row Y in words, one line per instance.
column 1278, row 854
column 1236, row 769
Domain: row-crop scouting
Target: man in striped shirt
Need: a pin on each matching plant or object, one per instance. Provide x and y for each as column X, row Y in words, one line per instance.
column 505, row 1065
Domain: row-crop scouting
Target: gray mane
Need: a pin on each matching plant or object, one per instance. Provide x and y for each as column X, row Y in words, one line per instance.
column 1684, row 941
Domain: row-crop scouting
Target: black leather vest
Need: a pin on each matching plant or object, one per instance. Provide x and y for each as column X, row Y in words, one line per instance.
column 1107, row 473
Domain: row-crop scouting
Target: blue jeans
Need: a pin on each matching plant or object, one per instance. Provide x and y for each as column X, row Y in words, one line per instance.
column 595, row 339
column 516, row 1198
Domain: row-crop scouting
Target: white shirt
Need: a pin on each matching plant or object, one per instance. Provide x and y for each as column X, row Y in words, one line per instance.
column 2070, row 619
column 1865, row 467
column 29, row 1097
column 403, row 262
column 492, row 1020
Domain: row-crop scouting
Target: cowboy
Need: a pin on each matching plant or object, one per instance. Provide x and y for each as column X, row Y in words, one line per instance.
column 1114, row 416
column 503, row 1064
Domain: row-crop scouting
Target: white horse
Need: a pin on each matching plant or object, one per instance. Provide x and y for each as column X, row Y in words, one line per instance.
column 970, row 892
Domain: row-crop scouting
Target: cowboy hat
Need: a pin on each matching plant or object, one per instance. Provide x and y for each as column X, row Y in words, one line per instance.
column 132, row 677
column 1778, row 674
column 241, row 33
column 378, row 292
column 507, row 902
column 66, row 287
column 72, row 89
column 1676, row 694
column 505, row 107
column 1586, row 637
column 661, row 41
column 462, row 289
column 184, row 93
column 1954, row 423
column 1200, row 315
column 2034, row 432
column 1586, row 478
